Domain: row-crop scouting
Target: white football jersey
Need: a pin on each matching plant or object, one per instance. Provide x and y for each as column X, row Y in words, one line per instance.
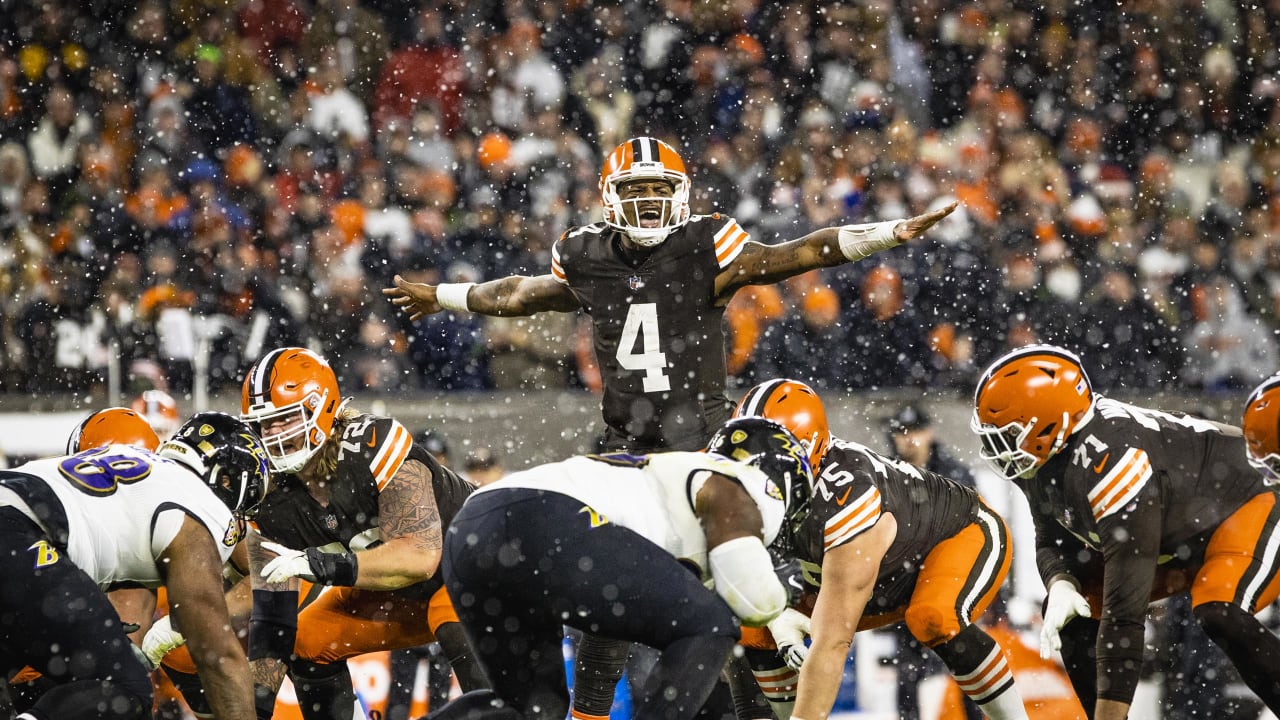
column 652, row 494
column 118, row 508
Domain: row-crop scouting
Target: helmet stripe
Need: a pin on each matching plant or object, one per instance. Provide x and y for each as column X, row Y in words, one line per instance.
column 758, row 396
column 260, row 385
column 649, row 150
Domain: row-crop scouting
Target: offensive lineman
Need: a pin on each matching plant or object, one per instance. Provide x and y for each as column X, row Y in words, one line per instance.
column 884, row 541
column 358, row 508
column 1131, row 505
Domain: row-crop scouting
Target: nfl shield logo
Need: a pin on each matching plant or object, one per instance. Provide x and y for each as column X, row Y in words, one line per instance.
column 331, row 522
column 634, row 282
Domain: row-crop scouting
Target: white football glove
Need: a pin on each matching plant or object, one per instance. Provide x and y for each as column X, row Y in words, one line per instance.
column 290, row 564
column 160, row 640
column 1064, row 604
column 789, row 631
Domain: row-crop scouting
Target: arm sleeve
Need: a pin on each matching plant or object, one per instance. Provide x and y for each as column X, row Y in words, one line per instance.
column 1058, row 551
column 1130, row 553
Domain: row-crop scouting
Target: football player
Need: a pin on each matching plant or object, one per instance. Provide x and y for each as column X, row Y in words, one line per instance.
column 1261, row 428
column 883, row 541
column 120, row 426
column 652, row 276
column 621, row 546
column 77, row 525
column 1131, row 505
column 655, row 280
column 113, row 425
column 357, row 508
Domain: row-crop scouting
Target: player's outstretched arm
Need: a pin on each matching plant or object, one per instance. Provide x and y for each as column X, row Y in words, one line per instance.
column 848, row 576
column 513, row 296
column 194, row 579
column 760, row 264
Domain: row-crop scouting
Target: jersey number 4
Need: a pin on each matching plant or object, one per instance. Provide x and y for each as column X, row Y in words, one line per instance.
column 642, row 327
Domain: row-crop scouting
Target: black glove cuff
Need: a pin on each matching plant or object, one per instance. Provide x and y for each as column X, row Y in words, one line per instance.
column 333, row 568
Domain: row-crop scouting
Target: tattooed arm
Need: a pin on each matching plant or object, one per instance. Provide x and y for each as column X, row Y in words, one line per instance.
column 270, row 639
column 412, row 538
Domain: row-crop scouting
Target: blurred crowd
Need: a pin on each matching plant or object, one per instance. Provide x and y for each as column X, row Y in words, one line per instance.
column 189, row 183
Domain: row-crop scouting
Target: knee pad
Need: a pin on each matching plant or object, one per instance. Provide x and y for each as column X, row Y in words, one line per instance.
column 931, row 625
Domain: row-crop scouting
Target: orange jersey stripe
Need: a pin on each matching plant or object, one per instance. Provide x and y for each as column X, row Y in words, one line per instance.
column 1120, row 485
column 391, row 455
column 729, row 241
column 863, row 513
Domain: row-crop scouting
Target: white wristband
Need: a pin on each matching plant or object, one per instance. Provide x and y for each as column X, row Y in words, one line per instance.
column 453, row 296
column 859, row 241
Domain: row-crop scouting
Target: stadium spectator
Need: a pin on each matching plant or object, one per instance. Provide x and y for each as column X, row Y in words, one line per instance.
column 1159, row 119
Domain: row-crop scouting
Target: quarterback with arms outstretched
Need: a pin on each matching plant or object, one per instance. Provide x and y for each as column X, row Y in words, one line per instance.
column 655, row 280
column 1131, row 505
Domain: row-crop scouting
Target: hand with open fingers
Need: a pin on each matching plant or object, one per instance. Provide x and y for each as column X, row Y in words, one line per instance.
column 417, row 300
column 290, row 563
column 1064, row 604
column 914, row 227
column 789, row 631
column 159, row 641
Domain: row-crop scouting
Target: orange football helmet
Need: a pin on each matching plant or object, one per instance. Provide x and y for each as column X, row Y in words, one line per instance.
column 1026, row 406
column 1261, row 427
column 796, row 407
column 291, row 399
column 644, row 158
column 160, row 409
column 112, row 426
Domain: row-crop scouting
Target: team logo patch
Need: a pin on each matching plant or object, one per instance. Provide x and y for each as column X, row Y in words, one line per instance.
column 596, row 518
column 205, row 430
column 737, row 437
column 46, row 554
column 235, row 531
column 771, row 489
